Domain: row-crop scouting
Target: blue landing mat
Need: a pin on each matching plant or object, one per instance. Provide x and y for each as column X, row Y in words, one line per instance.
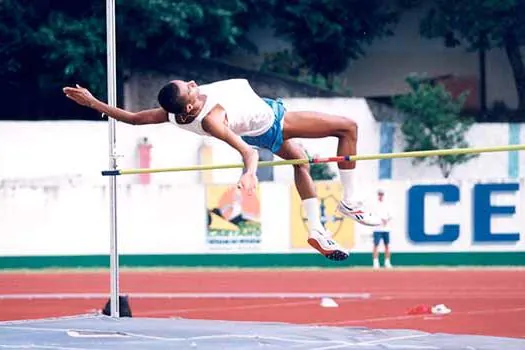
column 101, row 332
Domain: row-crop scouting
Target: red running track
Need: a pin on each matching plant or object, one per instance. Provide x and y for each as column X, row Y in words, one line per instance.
column 486, row 302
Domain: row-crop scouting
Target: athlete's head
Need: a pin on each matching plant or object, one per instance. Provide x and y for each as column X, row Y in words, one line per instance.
column 178, row 97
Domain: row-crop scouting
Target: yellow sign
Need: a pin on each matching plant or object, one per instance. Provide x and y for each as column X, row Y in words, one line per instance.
column 329, row 194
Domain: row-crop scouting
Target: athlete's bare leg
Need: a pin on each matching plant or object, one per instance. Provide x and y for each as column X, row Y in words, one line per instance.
column 319, row 125
column 303, row 181
column 318, row 237
column 306, row 124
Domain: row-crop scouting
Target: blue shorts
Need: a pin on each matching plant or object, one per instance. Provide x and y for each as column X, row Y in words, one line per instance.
column 381, row 235
column 273, row 138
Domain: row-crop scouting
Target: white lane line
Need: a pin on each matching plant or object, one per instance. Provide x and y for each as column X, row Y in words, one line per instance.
column 283, row 295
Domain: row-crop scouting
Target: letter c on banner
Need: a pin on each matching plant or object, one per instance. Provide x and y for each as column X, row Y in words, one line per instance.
column 417, row 212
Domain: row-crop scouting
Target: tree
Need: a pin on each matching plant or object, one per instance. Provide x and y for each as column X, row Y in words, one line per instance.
column 42, row 48
column 47, row 44
column 179, row 31
column 434, row 122
column 327, row 34
column 320, row 171
column 482, row 24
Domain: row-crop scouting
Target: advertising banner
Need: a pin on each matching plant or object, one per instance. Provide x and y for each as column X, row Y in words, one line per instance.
column 233, row 218
column 329, row 194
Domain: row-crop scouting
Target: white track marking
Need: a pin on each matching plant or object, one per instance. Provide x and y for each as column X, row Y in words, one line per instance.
column 224, row 308
column 479, row 294
column 283, row 295
column 379, row 295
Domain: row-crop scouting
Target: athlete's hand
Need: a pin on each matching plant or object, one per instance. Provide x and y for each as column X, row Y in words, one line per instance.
column 248, row 183
column 80, row 95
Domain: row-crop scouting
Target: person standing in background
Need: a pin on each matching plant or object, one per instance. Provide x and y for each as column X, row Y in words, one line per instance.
column 382, row 232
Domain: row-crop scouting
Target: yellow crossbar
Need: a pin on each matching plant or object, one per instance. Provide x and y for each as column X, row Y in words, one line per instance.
column 413, row 154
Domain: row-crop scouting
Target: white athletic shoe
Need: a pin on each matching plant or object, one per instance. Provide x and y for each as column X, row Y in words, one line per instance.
column 322, row 242
column 357, row 212
column 388, row 264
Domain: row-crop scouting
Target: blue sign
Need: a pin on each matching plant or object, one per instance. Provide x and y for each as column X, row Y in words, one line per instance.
column 482, row 212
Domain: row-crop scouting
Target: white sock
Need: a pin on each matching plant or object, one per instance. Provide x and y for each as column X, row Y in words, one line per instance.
column 347, row 180
column 313, row 214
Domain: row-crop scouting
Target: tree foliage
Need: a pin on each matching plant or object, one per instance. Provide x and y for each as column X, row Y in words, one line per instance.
column 44, row 47
column 320, row 171
column 46, row 44
column 482, row 24
column 327, row 34
column 180, row 30
column 434, row 122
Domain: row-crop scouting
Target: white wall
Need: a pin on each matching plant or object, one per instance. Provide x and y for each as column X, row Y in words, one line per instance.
column 486, row 165
column 44, row 149
column 158, row 219
column 58, row 216
column 58, row 151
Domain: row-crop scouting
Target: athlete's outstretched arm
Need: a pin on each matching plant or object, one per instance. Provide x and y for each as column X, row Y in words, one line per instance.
column 215, row 123
column 83, row 97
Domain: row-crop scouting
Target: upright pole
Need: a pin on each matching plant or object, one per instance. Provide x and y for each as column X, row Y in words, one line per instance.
column 112, row 101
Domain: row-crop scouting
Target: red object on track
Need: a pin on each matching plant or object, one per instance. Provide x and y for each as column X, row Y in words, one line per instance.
column 420, row 310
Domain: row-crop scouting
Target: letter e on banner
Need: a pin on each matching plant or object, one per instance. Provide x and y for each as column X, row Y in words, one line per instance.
column 484, row 211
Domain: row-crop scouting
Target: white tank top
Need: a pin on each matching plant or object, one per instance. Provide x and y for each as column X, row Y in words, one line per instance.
column 247, row 113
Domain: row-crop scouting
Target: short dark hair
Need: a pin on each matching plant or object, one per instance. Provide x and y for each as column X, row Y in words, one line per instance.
column 169, row 98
